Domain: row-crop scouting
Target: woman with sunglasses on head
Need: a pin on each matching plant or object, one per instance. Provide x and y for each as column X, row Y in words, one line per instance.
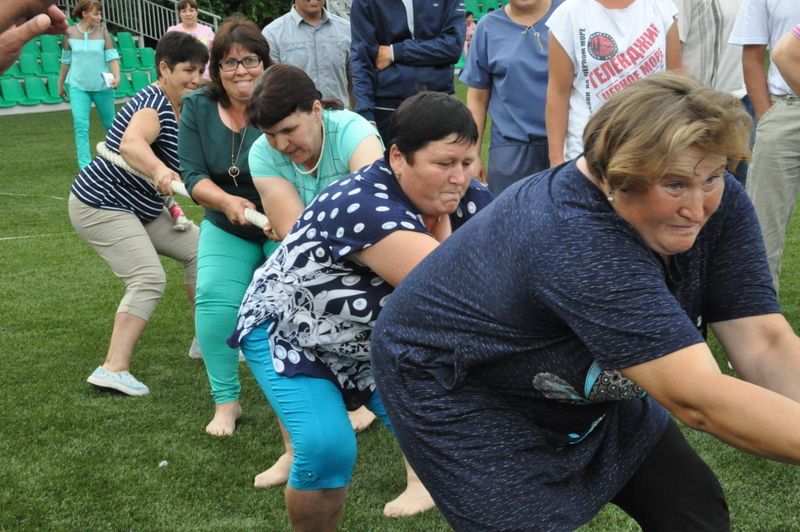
column 213, row 143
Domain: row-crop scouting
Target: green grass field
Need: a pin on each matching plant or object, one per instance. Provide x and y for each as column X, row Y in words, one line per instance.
column 76, row 458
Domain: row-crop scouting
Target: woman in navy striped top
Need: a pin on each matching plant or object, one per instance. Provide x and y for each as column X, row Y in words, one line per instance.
column 123, row 217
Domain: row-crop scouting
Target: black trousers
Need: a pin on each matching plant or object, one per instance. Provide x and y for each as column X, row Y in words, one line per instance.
column 674, row 490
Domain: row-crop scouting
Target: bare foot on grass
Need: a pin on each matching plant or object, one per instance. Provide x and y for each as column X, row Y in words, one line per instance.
column 277, row 475
column 225, row 417
column 361, row 419
column 415, row 499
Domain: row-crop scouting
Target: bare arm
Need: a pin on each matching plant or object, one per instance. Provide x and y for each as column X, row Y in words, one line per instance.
column 282, row 203
column 763, row 350
column 755, row 77
column 368, row 151
column 142, row 131
column 478, row 103
column 689, row 384
column 396, row 255
column 280, row 199
column 674, row 48
column 786, row 56
column 559, row 88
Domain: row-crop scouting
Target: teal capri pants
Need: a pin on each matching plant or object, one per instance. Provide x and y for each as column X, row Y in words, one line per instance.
column 313, row 412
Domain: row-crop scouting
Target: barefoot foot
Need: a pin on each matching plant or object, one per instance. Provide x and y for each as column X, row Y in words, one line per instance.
column 225, row 417
column 361, row 419
column 277, row 475
column 415, row 499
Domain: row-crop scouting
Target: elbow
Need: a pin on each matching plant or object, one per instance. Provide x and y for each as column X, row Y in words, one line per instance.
column 692, row 417
column 126, row 148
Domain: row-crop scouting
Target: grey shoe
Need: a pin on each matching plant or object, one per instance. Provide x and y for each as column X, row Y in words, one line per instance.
column 121, row 381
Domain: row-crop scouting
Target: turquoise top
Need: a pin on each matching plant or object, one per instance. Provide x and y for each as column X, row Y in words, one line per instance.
column 344, row 131
column 88, row 55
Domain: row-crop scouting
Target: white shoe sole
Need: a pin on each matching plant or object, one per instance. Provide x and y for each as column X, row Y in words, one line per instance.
column 105, row 383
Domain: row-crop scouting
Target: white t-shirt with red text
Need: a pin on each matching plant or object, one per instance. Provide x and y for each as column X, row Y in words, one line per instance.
column 609, row 49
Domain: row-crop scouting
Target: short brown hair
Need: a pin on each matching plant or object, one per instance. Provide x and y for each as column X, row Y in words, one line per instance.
column 185, row 3
column 85, row 5
column 282, row 90
column 235, row 30
column 631, row 141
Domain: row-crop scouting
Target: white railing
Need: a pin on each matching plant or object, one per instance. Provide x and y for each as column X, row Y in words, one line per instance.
column 145, row 18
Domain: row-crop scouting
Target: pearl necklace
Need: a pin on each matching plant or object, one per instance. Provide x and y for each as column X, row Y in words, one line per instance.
column 321, row 152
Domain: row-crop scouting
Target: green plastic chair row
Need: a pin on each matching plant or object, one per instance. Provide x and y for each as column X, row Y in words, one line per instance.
column 50, row 44
column 34, row 93
column 137, row 59
column 139, row 79
column 31, row 65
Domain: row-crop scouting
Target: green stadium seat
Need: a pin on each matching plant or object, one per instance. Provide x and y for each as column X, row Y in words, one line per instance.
column 36, row 90
column 129, row 60
column 124, row 89
column 51, row 44
column 4, row 104
column 139, row 80
column 52, row 86
column 12, row 92
column 472, row 5
column 29, row 65
column 153, row 75
column 12, row 72
column 125, row 41
column 147, row 58
column 50, row 63
column 31, row 47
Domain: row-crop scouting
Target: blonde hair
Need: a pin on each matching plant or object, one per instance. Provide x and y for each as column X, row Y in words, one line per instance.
column 632, row 140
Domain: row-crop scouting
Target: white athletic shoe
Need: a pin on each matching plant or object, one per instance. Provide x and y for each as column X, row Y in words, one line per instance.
column 194, row 350
column 121, row 381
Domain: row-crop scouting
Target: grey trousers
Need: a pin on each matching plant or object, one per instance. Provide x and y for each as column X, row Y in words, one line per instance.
column 773, row 179
column 131, row 250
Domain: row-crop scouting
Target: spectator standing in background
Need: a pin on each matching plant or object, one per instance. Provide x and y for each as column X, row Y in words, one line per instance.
column 187, row 11
column 88, row 56
column 402, row 47
column 469, row 20
column 704, row 27
column 596, row 49
column 506, row 74
column 311, row 38
column 772, row 179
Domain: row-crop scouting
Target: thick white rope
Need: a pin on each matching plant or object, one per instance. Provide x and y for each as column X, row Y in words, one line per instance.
column 252, row 216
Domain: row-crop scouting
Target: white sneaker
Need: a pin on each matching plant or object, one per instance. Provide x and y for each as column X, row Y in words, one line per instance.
column 121, row 381
column 194, row 350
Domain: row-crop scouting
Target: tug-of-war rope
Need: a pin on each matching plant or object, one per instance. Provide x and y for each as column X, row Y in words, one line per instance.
column 254, row 217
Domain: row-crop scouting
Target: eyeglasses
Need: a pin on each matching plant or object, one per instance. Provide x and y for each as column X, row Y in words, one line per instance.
column 230, row 64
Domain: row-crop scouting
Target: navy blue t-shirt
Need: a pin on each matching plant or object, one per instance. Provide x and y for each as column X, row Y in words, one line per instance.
column 547, row 293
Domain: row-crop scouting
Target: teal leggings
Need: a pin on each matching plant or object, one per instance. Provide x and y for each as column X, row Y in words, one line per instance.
column 225, row 266
column 313, row 412
column 81, row 103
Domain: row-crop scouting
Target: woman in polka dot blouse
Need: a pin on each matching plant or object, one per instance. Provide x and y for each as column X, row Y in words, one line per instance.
column 306, row 319
column 308, row 143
